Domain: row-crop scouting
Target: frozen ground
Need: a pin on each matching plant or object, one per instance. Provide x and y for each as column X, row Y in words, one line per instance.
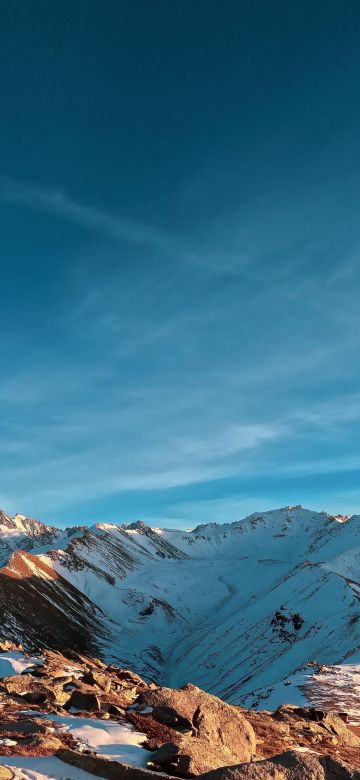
column 12, row 663
column 49, row 768
column 109, row 739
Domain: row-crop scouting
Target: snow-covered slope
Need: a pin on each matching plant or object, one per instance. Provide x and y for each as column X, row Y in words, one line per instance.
column 236, row 609
column 25, row 533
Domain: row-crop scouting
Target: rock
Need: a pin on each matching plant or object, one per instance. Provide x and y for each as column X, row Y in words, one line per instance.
column 61, row 696
column 6, row 645
column 318, row 722
column 35, row 671
column 99, row 679
column 220, row 735
column 26, row 726
column 312, row 728
column 170, row 717
column 287, row 766
column 6, row 773
column 126, row 676
column 30, row 690
column 103, row 767
column 84, row 701
column 37, row 696
column 60, row 675
column 166, row 755
column 115, row 710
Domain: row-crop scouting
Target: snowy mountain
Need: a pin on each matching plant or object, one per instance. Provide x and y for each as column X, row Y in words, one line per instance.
column 24, row 533
column 237, row 609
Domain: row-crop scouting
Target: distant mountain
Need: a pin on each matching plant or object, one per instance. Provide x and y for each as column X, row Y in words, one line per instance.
column 23, row 533
column 237, row 609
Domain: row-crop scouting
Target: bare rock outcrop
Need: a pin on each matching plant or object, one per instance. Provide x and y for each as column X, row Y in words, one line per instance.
column 287, row 766
column 292, row 727
column 188, row 733
column 207, row 732
column 104, row 767
column 6, row 773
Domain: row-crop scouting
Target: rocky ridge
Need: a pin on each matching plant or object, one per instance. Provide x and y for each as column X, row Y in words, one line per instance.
column 183, row 732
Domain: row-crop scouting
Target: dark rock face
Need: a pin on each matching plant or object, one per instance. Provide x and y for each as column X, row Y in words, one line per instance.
column 170, row 717
column 208, row 732
column 82, row 700
column 45, row 609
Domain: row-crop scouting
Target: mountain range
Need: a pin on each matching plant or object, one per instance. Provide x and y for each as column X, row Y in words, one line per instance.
column 243, row 610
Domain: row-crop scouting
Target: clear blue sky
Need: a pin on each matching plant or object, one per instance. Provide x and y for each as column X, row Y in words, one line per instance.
column 179, row 214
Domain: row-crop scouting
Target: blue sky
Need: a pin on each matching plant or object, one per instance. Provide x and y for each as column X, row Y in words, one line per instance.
column 179, row 213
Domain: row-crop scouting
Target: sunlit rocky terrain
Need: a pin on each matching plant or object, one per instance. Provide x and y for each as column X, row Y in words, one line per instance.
column 130, row 650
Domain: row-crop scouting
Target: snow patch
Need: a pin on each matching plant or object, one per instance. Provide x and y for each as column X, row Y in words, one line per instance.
column 13, row 663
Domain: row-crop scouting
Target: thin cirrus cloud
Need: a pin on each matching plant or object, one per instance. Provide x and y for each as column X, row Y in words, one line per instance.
column 154, row 462
column 55, row 201
column 83, row 474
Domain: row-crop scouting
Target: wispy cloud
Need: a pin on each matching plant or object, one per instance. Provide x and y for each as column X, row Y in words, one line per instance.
column 59, row 203
column 230, row 441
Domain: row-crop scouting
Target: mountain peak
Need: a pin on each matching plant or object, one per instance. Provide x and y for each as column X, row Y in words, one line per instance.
column 137, row 525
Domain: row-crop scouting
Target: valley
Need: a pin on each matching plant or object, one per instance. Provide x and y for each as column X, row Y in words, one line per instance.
column 238, row 609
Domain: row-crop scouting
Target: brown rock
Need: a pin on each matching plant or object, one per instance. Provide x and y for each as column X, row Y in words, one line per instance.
column 103, row 767
column 82, row 700
column 170, row 717
column 119, row 712
column 31, row 690
column 287, row 766
column 25, row 726
column 166, row 755
column 6, row 773
column 99, row 679
column 61, row 696
column 220, row 735
column 290, row 726
column 319, row 721
column 126, row 676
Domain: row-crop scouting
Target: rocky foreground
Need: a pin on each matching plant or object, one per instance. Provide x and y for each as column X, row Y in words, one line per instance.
column 49, row 708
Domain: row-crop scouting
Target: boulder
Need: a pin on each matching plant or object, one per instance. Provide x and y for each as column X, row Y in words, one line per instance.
column 61, row 696
column 170, row 717
column 6, row 773
column 25, row 726
column 287, row 766
column 116, row 711
column 207, row 732
column 99, row 679
column 291, row 727
column 126, row 675
column 103, row 767
column 82, row 700
column 31, row 690
column 319, row 722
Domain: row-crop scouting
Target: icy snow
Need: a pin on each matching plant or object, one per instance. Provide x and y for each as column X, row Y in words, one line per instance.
column 13, row 663
column 50, row 768
column 109, row 739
